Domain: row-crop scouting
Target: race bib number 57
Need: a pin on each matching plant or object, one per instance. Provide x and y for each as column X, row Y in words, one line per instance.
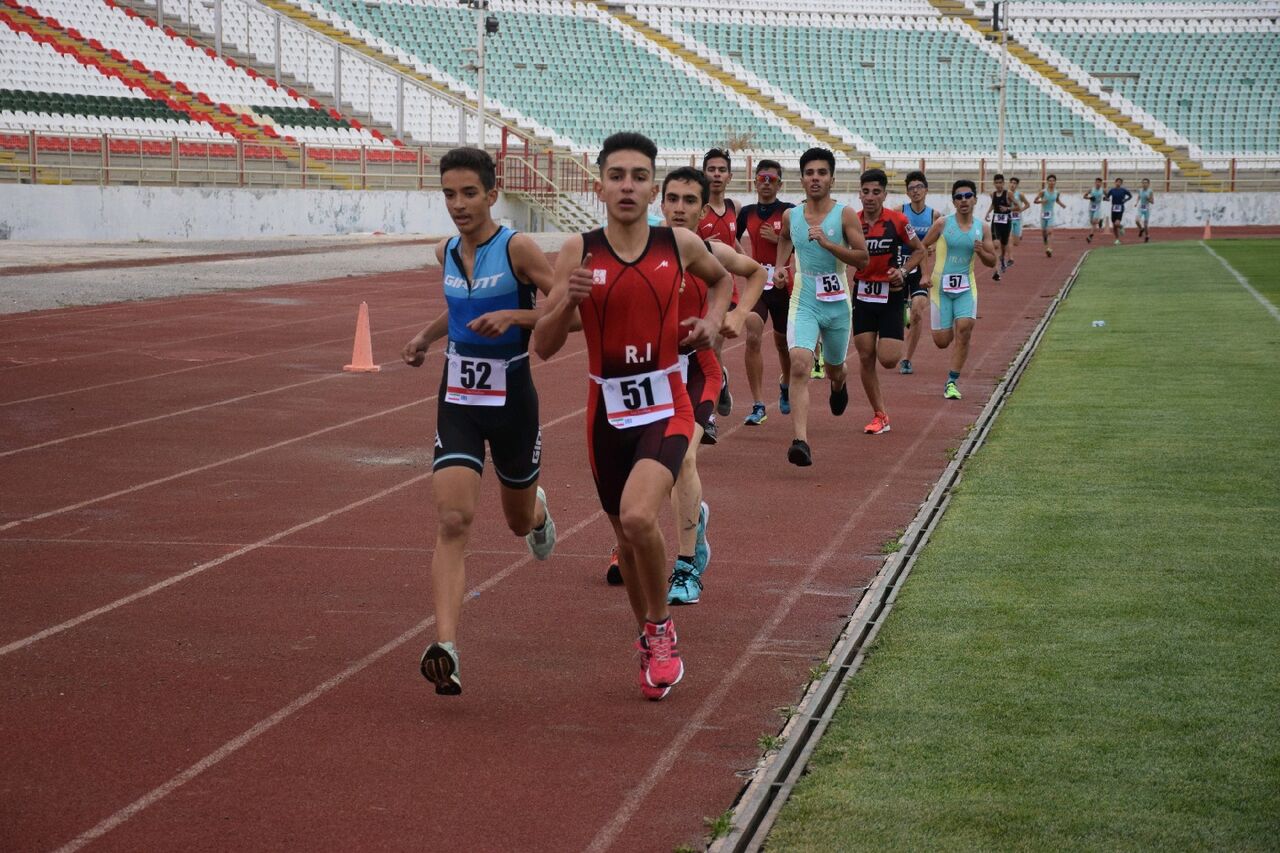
column 955, row 282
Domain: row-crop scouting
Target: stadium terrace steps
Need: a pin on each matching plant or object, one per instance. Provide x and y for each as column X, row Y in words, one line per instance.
column 343, row 37
column 193, row 104
column 1187, row 165
column 266, row 70
column 722, row 76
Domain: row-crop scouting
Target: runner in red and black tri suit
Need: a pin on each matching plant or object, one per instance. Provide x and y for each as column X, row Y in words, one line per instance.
column 719, row 224
column 624, row 282
column 759, row 229
column 879, row 294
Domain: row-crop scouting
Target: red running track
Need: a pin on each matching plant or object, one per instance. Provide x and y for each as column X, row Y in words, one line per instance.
column 215, row 547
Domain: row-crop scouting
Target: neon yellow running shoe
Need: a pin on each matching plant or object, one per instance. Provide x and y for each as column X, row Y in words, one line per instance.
column 952, row 392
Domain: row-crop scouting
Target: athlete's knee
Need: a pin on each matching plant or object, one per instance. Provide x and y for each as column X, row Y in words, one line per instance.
column 942, row 338
column 454, row 522
column 637, row 524
column 801, row 363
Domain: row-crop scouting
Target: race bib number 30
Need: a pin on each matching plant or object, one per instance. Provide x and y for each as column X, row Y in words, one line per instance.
column 632, row 401
column 957, row 282
column 829, row 288
column 873, row 291
column 476, row 381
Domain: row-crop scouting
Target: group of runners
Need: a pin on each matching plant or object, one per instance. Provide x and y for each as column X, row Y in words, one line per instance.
column 1116, row 198
column 655, row 298
column 654, row 303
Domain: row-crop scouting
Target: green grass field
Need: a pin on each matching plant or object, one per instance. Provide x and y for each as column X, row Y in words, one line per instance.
column 1087, row 654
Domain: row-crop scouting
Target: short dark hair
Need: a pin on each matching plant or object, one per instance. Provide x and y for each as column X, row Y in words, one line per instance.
column 717, row 154
column 1015, row 180
column 765, row 165
column 999, row 176
column 1097, row 179
column 818, row 154
column 627, row 141
column 916, row 176
column 474, row 159
column 1051, row 176
column 874, row 176
column 1119, row 180
column 693, row 176
column 964, row 182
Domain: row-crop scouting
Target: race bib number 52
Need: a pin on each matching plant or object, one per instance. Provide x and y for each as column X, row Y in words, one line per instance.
column 476, row 381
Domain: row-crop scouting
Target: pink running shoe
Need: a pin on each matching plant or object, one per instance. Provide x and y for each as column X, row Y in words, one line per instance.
column 664, row 667
column 879, row 424
column 653, row 694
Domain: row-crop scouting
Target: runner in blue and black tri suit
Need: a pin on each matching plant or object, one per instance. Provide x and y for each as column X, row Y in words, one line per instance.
column 921, row 216
column 491, row 277
column 1117, row 197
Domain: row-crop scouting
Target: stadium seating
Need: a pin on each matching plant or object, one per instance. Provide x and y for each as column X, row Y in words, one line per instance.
column 1219, row 87
column 569, row 67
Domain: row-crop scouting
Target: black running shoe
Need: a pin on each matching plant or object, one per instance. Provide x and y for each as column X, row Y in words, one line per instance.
column 799, row 454
column 613, row 575
column 710, row 433
column 724, row 405
column 440, row 666
column 840, row 400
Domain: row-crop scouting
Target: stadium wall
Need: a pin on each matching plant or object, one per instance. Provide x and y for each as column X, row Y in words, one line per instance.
column 32, row 212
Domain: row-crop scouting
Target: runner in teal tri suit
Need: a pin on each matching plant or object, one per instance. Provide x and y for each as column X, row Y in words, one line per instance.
column 954, row 295
column 1048, row 200
column 1095, row 196
column 825, row 236
column 1146, row 196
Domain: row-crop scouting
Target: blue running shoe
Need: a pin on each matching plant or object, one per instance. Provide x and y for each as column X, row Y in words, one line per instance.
column 702, row 547
column 904, row 367
column 784, row 399
column 757, row 415
column 685, row 587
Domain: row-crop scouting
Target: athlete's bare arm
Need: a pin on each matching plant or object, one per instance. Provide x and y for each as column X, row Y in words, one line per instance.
column 1039, row 197
column 1026, row 205
column 571, row 284
column 856, row 252
column 697, row 260
column 415, row 352
column 984, row 250
column 782, row 269
column 935, row 232
column 1061, row 204
column 898, row 275
column 749, row 295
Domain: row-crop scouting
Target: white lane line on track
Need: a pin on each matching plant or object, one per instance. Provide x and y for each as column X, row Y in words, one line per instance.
column 247, row 309
column 1244, row 282
column 203, row 366
column 249, row 735
column 633, row 798
column 240, row 457
column 17, row 645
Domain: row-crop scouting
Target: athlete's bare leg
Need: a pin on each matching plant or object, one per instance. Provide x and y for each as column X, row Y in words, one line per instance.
column 801, row 367
column 686, row 497
column 963, row 331
column 753, row 358
column 838, row 374
column 522, row 509
column 784, row 352
column 642, row 550
column 919, row 310
column 456, row 491
column 865, row 344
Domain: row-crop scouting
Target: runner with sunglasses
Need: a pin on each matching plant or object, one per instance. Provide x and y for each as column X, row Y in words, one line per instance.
column 921, row 217
column 954, row 295
column 760, row 229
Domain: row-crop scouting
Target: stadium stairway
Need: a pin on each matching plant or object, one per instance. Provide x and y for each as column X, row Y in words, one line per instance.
column 718, row 74
column 207, row 39
column 1187, row 165
column 195, row 105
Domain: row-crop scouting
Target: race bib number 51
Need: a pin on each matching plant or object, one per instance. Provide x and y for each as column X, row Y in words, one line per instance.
column 632, row 401
column 476, row 381
column 829, row 288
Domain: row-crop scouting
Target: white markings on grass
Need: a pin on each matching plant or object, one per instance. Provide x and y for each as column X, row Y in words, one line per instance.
column 1244, row 282
column 249, row 735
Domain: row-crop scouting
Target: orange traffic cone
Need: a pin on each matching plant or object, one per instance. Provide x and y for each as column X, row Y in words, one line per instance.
column 1208, row 232
column 362, row 352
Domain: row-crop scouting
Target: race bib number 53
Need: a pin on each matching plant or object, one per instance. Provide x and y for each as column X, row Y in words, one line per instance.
column 632, row 401
column 829, row 288
column 476, row 381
